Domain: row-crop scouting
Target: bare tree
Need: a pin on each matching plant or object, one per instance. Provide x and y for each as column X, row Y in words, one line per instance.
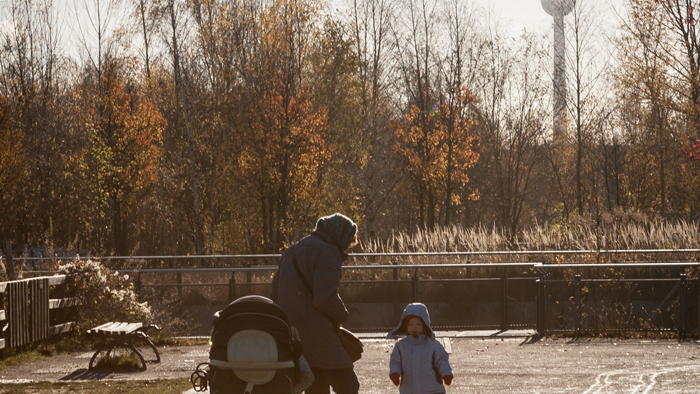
column 514, row 106
column 588, row 61
column 375, row 172
column 175, row 28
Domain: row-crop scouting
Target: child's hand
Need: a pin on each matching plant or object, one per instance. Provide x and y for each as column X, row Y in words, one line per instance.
column 395, row 379
column 447, row 379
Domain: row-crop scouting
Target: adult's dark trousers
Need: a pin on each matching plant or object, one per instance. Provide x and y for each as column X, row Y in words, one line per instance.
column 343, row 381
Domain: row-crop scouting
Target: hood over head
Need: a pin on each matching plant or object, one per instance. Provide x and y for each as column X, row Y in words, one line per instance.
column 415, row 309
column 340, row 228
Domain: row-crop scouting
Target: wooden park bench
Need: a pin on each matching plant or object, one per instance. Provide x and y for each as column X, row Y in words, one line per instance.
column 122, row 336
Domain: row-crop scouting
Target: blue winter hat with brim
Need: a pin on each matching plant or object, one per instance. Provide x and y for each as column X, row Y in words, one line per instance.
column 340, row 227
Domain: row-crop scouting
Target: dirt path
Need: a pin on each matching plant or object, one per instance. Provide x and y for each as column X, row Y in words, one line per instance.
column 488, row 365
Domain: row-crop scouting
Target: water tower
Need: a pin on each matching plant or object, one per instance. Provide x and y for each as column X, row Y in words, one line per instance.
column 558, row 9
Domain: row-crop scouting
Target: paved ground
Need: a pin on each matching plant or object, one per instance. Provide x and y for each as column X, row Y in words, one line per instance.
column 488, row 364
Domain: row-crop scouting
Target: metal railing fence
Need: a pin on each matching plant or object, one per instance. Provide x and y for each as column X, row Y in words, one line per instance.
column 643, row 295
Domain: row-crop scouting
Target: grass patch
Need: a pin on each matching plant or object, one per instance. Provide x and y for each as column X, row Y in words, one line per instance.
column 73, row 342
column 101, row 387
column 126, row 361
column 43, row 349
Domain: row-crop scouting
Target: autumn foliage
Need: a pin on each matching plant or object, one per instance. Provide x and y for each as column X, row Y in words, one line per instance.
column 436, row 143
column 228, row 127
column 122, row 156
column 280, row 156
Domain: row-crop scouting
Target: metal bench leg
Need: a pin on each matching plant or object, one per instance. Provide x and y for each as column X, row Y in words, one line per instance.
column 138, row 353
column 121, row 344
column 144, row 337
column 98, row 351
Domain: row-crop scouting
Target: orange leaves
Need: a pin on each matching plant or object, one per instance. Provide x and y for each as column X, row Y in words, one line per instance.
column 436, row 142
column 125, row 136
column 286, row 142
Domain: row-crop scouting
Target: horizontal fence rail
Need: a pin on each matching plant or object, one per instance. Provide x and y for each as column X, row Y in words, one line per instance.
column 388, row 254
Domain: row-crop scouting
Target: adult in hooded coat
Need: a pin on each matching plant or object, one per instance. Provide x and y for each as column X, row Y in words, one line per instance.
column 320, row 312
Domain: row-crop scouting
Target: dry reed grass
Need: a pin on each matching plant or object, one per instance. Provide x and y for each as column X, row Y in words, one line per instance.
column 580, row 236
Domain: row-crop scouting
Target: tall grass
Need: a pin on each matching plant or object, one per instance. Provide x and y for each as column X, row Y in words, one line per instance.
column 579, row 236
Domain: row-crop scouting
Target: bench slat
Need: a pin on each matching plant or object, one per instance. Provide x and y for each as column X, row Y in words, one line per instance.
column 116, row 328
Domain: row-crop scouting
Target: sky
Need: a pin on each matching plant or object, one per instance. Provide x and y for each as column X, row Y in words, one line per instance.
column 513, row 15
column 516, row 15
column 530, row 14
column 520, row 14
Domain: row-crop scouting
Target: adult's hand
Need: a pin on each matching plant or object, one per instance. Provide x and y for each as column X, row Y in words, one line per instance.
column 395, row 378
column 447, row 379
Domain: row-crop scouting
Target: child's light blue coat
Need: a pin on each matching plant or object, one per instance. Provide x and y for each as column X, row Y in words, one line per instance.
column 413, row 358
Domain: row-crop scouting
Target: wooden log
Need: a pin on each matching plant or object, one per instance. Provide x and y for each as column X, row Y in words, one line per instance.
column 58, row 303
column 62, row 328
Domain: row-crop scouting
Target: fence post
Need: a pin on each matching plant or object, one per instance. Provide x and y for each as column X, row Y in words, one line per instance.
column 232, row 287
column 395, row 283
column 9, row 264
column 416, row 288
column 538, row 310
column 60, row 315
column 504, row 309
column 179, row 285
column 684, row 309
column 138, row 283
column 577, row 323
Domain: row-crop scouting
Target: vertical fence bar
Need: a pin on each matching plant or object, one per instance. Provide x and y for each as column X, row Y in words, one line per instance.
column 545, row 303
column 577, row 289
column 248, row 280
column 504, row 306
column 684, row 308
column 138, row 284
column 395, row 284
column 179, row 285
column 538, row 309
column 416, row 287
column 232, row 287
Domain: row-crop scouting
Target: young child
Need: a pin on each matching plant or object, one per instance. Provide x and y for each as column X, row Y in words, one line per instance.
column 419, row 363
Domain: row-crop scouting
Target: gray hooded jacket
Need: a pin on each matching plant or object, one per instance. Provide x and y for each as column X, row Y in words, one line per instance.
column 414, row 357
column 315, row 316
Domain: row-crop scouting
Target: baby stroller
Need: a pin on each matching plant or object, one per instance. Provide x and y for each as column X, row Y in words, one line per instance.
column 252, row 346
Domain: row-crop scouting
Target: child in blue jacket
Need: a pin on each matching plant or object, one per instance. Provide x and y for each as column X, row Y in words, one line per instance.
column 419, row 364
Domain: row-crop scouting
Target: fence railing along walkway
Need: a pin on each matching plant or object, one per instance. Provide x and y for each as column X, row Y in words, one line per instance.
column 29, row 313
column 650, row 295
